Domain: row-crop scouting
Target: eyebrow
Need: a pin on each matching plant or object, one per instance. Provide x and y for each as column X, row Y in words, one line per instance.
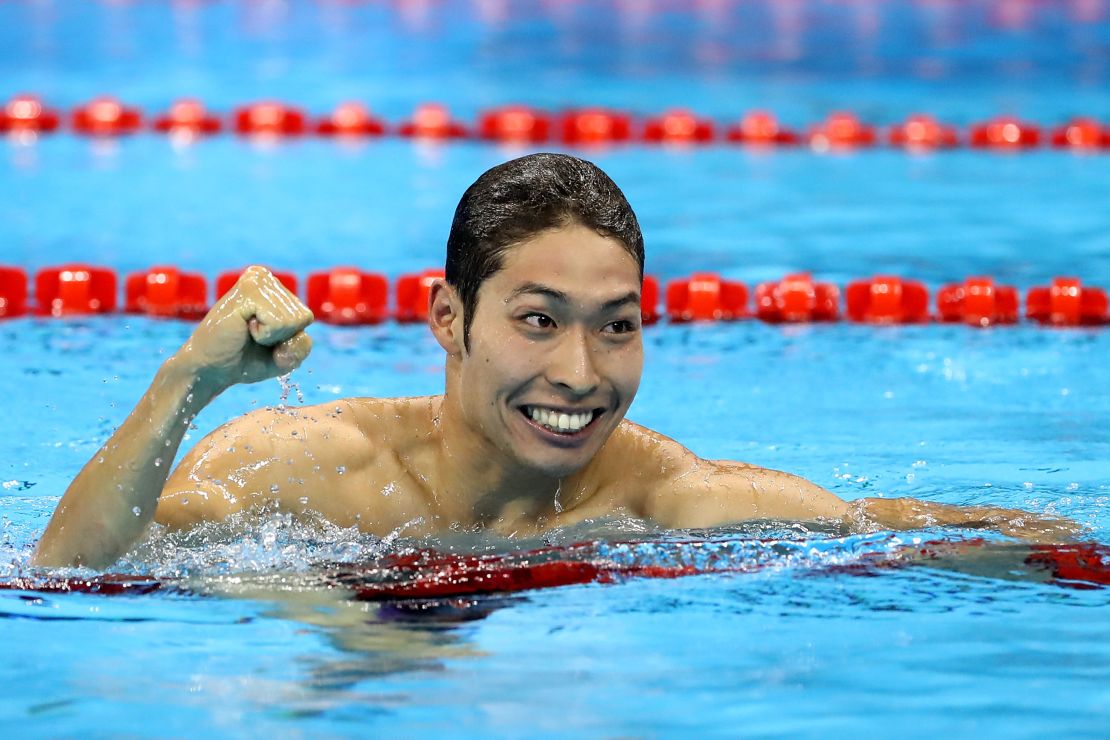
column 561, row 297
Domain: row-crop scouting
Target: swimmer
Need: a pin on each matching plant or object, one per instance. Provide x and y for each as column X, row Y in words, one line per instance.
column 539, row 316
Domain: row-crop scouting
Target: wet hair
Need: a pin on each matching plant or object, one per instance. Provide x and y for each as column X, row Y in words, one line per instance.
column 521, row 198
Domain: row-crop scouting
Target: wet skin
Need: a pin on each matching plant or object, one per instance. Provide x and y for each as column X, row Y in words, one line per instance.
column 554, row 342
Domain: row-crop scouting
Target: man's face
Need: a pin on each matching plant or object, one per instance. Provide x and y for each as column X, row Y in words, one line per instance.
column 555, row 349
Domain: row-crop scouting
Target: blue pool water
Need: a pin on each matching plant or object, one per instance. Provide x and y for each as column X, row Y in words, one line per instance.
column 1014, row 416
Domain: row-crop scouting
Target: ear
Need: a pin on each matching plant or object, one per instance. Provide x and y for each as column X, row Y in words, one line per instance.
column 445, row 317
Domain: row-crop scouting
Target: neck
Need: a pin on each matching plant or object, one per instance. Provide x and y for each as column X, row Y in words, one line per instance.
column 479, row 485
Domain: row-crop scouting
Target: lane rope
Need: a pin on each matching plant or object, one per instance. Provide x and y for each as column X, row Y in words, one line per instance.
column 26, row 116
column 353, row 296
column 428, row 574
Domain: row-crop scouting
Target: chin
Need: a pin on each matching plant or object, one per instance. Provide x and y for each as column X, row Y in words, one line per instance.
column 556, row 468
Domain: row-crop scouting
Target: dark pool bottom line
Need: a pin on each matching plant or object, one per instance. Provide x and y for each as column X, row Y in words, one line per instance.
column 427, row 574
column 350, row 295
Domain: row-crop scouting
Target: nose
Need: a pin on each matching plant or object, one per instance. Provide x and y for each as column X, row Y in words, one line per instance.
column 574, row 366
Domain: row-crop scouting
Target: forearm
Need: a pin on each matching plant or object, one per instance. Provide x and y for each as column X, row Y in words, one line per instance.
column 910, row 513
column 110, row 503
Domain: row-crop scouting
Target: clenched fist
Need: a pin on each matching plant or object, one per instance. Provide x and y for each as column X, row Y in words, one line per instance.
column 255, row 332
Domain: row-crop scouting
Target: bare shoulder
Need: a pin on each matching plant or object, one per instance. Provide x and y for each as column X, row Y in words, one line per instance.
column 243, row 462
column 638, row 463
column 677, row 488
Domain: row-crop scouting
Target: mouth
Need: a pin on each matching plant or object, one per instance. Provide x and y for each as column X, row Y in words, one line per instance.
column 561, row 423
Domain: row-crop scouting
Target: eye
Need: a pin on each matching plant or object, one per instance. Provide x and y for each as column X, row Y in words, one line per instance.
column 539, row 321
column 624, row 326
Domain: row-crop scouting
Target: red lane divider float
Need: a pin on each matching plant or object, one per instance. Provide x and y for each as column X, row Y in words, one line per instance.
column 979, row 302
column 1005, row 132
column 13, row 292
column 515, row 124
column 761, row 128
column 350, row 295
column 704, row 296
column 797, row 298
column 188, row 117
column 649, row 301
column 270, row 118
column 347, row 295
column 432, row 121
column 923, row 132
column 350, row 119
column 106, row 116
column 842, row 130
column 428, row 574
column 76, row 289
column 885, row 299
column 1081, row 133
column 679, row 127
column 1067, row 303
column 594, row 126
column 26, row 113
column 167, row 291
column 413, row 295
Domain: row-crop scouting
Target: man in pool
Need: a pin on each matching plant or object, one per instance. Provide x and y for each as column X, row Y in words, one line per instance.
column 540, row 318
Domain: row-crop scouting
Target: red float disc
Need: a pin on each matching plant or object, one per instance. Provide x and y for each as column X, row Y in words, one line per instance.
column 75, row 289
column 270, row 118
column 188, row 117
column 515, row 123
column 351, row 119
column 841, row 130
column 347, row 295
column 106, row 116
column 761, row 128
column 678, row 127
column 13, row 292
column 432, row 121
column 26, row 113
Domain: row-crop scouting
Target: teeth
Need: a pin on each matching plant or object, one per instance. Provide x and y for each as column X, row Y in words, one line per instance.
column 559, row 422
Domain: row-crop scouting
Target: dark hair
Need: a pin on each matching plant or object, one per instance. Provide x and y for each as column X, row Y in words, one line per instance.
column 514, row 201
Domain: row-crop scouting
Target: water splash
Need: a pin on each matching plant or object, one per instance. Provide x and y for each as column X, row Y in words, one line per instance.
column 288, row 385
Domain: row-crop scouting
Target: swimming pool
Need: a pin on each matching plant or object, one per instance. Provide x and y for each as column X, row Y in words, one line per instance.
column 1015, row 416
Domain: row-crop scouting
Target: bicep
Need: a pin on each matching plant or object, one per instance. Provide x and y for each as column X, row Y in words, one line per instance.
column 710, row 492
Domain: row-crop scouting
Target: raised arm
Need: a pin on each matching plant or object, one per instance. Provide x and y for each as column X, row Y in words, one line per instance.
column 253, row 333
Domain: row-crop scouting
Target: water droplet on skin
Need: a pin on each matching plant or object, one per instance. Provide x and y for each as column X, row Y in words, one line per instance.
column 157, row 462
column 341, row 469
column 303, row 500
column 100, row 459
column 274, row 488
column 136, row 510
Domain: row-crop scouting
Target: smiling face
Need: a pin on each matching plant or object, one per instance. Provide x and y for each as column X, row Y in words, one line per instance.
column 555, row 352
